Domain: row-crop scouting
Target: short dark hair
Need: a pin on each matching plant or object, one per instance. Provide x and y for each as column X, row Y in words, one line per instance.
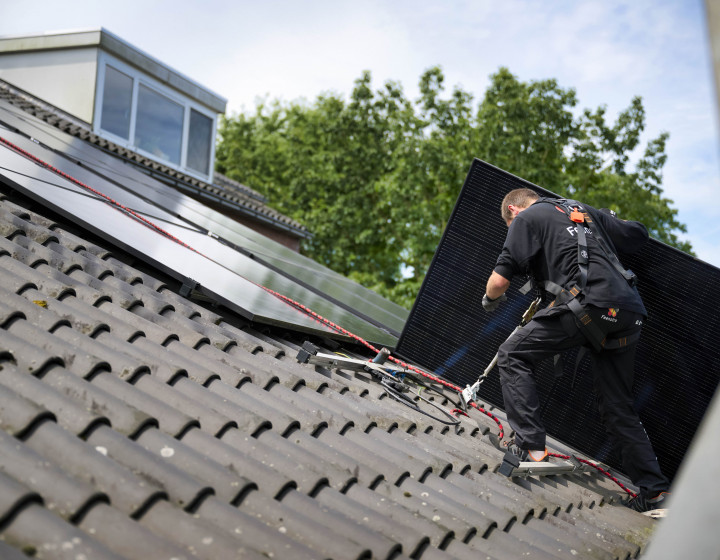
column 521, row 198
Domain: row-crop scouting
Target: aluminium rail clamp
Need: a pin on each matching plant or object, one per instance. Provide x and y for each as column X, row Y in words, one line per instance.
column 513, row 467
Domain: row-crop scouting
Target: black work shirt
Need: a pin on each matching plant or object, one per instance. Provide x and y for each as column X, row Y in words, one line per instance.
column 542, row 242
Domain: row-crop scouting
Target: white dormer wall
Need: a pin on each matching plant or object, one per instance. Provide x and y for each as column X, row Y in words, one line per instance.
column 124, row 94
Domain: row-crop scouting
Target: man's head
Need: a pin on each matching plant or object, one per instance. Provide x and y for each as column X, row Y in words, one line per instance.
column 515, row 202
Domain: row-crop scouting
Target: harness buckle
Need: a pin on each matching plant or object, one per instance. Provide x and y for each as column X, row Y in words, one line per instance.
column 577, row 216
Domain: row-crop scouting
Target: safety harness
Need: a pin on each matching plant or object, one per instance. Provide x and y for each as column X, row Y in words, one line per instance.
column 568, row 295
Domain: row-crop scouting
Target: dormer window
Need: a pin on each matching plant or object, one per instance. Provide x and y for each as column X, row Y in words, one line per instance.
column 146, row 116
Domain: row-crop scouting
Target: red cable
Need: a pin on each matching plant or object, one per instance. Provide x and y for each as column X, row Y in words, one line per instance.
column 299, row 306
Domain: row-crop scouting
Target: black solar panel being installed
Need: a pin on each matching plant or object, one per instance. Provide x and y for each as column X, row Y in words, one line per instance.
column 227, row 275
column 678, row 361
column 332, row 286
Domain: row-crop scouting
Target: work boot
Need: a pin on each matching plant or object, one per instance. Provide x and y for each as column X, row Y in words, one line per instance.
column 652, row 507
column 537, row 456
column 522, row 454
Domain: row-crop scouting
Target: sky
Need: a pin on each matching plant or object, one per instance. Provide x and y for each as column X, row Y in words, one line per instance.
column 608, row 50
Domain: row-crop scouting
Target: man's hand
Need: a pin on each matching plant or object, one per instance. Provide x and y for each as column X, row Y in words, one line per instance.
column 491, row 305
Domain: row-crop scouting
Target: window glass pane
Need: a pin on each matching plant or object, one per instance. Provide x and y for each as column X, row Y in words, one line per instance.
column 199, row 142
column 116, row 103
column 158, row 125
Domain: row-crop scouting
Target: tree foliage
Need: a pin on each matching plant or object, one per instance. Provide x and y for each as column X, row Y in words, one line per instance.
column 375, row 177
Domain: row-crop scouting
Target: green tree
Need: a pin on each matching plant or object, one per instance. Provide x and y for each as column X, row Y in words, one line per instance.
column 375, row 177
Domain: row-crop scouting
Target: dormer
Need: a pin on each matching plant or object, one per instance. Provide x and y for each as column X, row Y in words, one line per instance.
column 124, row 94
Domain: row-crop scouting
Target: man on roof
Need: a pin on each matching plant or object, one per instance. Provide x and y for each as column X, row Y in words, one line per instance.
column 570, row 250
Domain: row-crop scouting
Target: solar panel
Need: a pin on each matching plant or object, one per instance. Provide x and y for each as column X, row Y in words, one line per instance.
column 678, row 359
column 229, row 276
column 316, row 278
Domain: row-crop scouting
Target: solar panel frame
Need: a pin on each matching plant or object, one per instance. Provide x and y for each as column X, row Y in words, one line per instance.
column 678, row 359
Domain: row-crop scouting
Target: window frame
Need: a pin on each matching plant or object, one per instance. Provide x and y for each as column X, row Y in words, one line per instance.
column 138, row 77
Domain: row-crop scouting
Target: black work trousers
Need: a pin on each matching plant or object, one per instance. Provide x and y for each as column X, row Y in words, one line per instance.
column 553, row 331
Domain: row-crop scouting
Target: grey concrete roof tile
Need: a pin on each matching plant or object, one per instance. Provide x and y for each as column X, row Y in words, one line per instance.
column 14, row 280
column 248, row 529
column 436, row 534
column 461, row 551
column 135, row 322
column 27, row 215
column 429, row 455
column 127, row 537
column 69, row 240
column 548, row 541
column 188, row 337
column 75, row 243
column 461, row 457
column 37, row 314
column 99, row 268
column 199, row 537
column 71, row 415
column 373, row 411
column 8, row 313
column 270, row 401
column 295, row 461
column 132, row 275
column 394, row 452
column 230, row 371
column 128, row 492
column 136, row 358
column 188, row 308
column 123, row 298
column 83, row 318
column 20, row 253
column 8, row 552
column 80, row 352
column 137, row 293
column 391, row 470
column 266, row 455
column 228, row 484
column 14, row 497
column 348, row 466
column 296, row 405
column 214, row 334
column 86, row 319
column 473, row 449
column 224, row 400
column 280, row 421
column 63, row 495
column 184, row 490
column 338, row 522
column 19, row 415
column 496, row 490
column 333, row 412
column 199, row 370
column 245, row 340
column 495, row 510
column 93, row 267
column 237, row 459
column 583, row 537
column 211, row 421
column 504, row 547
column 29, row 357
column 43, row 534
column 11, row 224
column 41, row 252
column 304, row 528
column 124, row 418
column 170, row 420
column 481, row 520
column 411, row 539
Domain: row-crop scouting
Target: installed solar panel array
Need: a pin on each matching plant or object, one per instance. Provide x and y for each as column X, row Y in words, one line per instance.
column 678, row 361
column 241, row 259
